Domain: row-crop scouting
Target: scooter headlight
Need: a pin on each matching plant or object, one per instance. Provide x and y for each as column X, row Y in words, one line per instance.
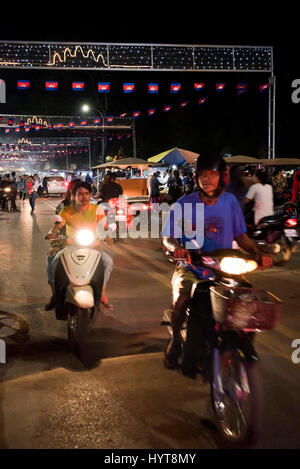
column 237, row 266
column 7, row 189
column 85, row 237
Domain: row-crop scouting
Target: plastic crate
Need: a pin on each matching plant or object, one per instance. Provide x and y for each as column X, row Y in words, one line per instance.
column 244, row 308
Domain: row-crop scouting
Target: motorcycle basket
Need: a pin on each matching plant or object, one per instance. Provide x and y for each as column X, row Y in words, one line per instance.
column 249, row 309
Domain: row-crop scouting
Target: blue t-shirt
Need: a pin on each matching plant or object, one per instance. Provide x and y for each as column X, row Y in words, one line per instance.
column 208, row 227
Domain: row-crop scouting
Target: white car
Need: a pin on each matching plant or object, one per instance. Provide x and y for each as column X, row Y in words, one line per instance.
column 57, row 185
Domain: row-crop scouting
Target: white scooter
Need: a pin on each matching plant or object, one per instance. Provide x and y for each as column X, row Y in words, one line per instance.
column 79, row 278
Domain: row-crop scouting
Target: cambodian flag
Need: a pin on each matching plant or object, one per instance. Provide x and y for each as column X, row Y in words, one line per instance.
column 124, row 114
column 241, row 88
column 17, row 129
column 175, row 87
column 84, row 122
column 51, row 85
column 199, row 86
column 264, row 87
column 151, row 111
column 202, row 100
column 7, row 131
column 11, row 121
column 184, row 104
column 37, row 127
column 21, row 123
column 78, row 86
column 128, row 87
column 59, row 126
column 167, row 108
column 220, row 86
column 103, row 87
column 23, row 84
column 50, row 126
column 152, row 87
column 72, row 124
column 27, row 128
column 97, row 121
column 109, row 119
column 136, row 114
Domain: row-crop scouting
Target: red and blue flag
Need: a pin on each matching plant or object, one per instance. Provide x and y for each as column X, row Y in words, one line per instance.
column 152, row 87
column 23, row 84
column 199, row 86
column 78, row 86
column 128, row 87
column 51, row 85
column 103, row 87
column 175, row 87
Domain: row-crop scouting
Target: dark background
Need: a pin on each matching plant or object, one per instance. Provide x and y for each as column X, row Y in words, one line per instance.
column 226, row 122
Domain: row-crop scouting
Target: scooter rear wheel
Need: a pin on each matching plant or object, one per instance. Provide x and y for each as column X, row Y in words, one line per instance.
column 238, row 409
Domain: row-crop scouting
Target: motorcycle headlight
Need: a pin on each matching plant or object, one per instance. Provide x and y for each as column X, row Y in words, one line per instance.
column 237, row 266
column 85, row 237
column 7, row 189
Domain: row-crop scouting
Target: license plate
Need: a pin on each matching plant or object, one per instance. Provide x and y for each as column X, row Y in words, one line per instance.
column 291, row 233
column 120, row 217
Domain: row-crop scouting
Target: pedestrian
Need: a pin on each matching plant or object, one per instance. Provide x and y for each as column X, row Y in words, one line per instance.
column 262, row 194
column 279, row 185
column 154, row 188
column 22, row 187
column 236, row 185
column 45, row 186
column 175, row 186
column 14, row 188
column 34, row 188
column 109, row 189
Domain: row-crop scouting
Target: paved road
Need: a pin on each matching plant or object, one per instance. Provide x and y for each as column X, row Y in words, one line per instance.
column 125, row 398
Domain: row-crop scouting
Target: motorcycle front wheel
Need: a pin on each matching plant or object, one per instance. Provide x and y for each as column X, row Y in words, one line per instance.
column 236, row 398
column 78, row 325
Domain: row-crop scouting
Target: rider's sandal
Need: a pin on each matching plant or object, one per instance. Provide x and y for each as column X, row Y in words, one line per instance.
column 108, row 306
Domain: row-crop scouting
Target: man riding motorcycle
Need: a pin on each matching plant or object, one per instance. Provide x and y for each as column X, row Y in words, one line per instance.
column 222, row 222
column 82, row 214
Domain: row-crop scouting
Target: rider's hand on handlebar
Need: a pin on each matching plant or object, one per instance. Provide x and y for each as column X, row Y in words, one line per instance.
column 51, row 236
column 181, row 253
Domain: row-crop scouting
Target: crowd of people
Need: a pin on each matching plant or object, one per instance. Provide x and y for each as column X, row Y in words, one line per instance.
column 25, row 186
column 256, row 191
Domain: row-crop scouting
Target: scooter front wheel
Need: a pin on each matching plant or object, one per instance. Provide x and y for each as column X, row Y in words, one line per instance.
column 236, row 397
column 78, row 325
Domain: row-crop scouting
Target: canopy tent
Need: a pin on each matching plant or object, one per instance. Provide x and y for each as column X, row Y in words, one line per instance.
column 175, row 156
column 280, row 162
column 125, row 162
column 241, row 159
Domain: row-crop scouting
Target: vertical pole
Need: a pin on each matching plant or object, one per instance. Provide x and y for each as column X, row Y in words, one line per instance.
column 274, row 117
column 270, row 117
column 67, row 159
column 90, row 162
column 133, row 138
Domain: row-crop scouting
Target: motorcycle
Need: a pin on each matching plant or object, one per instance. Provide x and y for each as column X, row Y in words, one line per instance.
column 6, row 199
column 226, row 312
column 78, row 286
column 277, row 234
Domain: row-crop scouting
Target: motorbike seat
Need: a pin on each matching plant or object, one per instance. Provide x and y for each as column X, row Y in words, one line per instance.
column 271, row 219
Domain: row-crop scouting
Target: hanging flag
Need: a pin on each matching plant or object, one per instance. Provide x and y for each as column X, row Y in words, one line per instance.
column 59, row 126
column 72, row 124
column 264, row 87
column 128, row 87
column 97, row 120
column 202, row 100
column 83, row 122
column 37, row 127
column 167, row 108
column 103, row 87
column 23, row 84
column 17, row 129
column 241, row 88
column 124, row 114
column 21, row 123
column 151, row 111
column 152, row 87
column 27, row 128
column 136, row 114
column 184, row 104
column 50, row 126
column 51, row 85
column 220, row 86
column 11, row 121
column 175, row 87
column 7, row 131
column 199, row 86
column 109, row 119
column 78, row 86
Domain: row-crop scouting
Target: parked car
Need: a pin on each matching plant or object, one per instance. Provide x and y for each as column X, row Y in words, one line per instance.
column 57, row 185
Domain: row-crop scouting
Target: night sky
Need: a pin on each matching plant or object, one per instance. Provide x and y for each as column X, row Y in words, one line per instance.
column 226, row 122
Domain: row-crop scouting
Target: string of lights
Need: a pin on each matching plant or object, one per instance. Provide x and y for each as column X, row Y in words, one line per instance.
column 151, row 57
